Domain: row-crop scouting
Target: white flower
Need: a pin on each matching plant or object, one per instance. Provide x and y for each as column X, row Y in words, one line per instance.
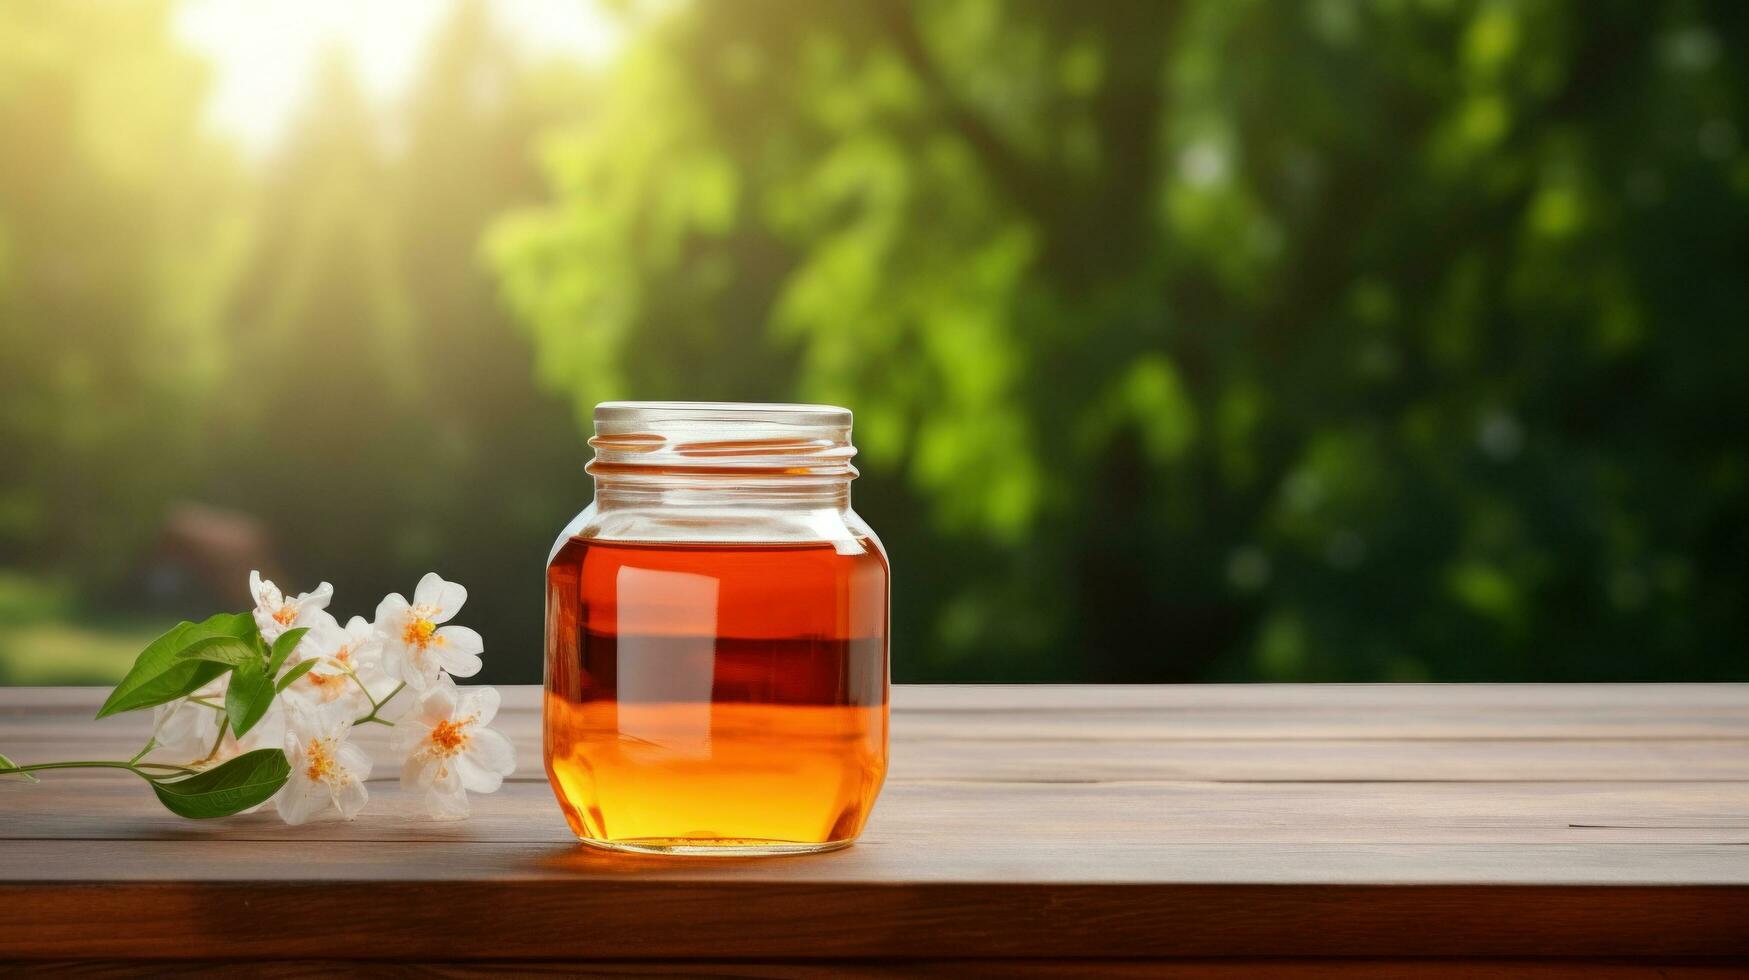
column 347, row 664
column 187, row 731
column 325, row 770
column 274, row 613
column 342, row 649
column 450, row 751
column 416, row 650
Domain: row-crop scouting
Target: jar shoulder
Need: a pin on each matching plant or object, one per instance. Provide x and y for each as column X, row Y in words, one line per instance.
column 572, row 529
column 840, row 526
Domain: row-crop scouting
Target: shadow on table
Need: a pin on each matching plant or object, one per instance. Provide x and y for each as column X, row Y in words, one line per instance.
column 582, row 859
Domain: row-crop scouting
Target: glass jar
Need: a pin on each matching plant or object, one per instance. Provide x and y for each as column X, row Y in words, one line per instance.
column 716, row 635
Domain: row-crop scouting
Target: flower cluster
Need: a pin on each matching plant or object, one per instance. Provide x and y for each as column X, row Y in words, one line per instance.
column 257, row 708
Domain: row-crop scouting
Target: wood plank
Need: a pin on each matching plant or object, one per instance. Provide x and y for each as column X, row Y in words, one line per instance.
column 1277, row 725
column 1597, row 820
column 1219, row 761
column 1160, row 713
column 1115, row 792
column 873, row 864
column 1112, row 826
column 1240, row 969
column 1366, row 760
column 604, row 919
column 1298, row 760
column 1274, row 712
column 1488, row 698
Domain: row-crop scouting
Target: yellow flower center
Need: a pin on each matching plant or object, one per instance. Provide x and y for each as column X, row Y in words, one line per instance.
column 319, row 765
column 330, row 686
column 285, row 615
column 418, row 633
column 450, row 737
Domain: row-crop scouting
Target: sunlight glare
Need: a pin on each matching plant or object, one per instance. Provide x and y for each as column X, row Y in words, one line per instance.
column 264, row 53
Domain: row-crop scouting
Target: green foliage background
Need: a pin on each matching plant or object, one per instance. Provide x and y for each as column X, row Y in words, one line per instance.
column 1205, row 340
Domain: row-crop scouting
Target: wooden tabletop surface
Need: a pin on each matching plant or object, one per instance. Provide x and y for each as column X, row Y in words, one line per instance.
column 1606, row 822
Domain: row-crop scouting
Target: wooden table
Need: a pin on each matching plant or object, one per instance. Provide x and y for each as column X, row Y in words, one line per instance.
column 1306, row 825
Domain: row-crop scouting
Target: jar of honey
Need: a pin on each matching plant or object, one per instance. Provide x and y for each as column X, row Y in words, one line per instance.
column 716, row 635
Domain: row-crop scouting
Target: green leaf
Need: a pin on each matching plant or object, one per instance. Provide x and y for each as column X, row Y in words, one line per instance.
column 228, row 650
column 295, row 673
column 249, row 696
column 6, row 763
column 245, row 781
column 283, row 647
column 159, row 674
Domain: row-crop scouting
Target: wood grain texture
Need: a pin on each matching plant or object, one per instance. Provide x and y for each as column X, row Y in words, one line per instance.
column 970, row 969
column 1063, row 823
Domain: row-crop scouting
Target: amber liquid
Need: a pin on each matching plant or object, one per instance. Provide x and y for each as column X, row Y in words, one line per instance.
column 716, row 698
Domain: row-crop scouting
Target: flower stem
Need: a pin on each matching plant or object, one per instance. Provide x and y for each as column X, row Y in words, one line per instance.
column 151, row 743
column 375, row 705
column 7, row 766
column 137, row 768
column 354, row 675
column 88, row 764
column 224, row 719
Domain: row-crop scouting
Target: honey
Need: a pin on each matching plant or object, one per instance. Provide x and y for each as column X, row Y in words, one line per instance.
column 716, row 659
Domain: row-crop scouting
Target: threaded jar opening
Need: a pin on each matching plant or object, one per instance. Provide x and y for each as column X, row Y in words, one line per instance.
column 729, row 440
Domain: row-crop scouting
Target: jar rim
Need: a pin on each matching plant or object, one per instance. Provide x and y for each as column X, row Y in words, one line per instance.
column 618, row 415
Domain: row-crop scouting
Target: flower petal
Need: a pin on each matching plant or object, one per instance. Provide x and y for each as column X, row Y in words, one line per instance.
column 308, row 722
column 264, row 592
column 447, row 803
column 444, row 597
column 185, row 731
column 350, row 796
column 421, row 672
column 310, row 603
column 438, row 704
column 458, row 649
column 419, row 771
column 269, row 731
column 406, row 738
column 267, row 626
column 315, row 689
column 460, row 638
column 458, row 664
column 447, row 780
column 480, row 703
column 393, row 663
column 475, row 777
column 492, row 750
column 354, row 760
column 359, row 639
column 365, row 655
column 391, row 613
column 324, row 637
column 301, row 799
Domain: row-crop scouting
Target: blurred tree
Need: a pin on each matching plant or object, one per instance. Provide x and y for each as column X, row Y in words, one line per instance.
column 118, row 234
column 1221, row 340
column 504, row 459
column 393, row 428
column 315, row 342
column 328, row 440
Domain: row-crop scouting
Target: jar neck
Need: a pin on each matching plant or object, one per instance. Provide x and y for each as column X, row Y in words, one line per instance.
column 716, row 455
column 642, row 490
